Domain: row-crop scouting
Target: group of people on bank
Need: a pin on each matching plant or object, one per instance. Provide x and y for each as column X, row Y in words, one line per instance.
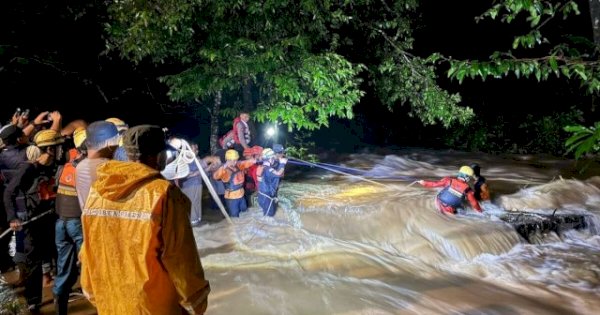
column 95, row 201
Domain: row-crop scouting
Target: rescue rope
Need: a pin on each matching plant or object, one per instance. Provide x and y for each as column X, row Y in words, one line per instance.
column 344, row 173
column 6, row 232
column 272, row 199
column 187, row 155
column 332, row 168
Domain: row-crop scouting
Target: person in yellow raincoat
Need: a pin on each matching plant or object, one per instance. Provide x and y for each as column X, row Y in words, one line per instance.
column 139, row 255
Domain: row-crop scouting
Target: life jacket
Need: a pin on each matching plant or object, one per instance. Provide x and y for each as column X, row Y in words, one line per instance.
column 232, row 137
column 67, row 203
column 251, row 179
column 66, row 175
column 231, row 185
column 454, row 194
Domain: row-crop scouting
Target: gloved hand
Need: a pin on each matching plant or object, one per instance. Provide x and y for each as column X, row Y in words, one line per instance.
column 283, row 160
column 421, row 182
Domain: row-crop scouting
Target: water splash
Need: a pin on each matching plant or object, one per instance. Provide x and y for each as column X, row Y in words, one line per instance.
column 337, row 246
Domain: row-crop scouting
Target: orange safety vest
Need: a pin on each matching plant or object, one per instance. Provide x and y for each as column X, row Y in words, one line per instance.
column 66, row 181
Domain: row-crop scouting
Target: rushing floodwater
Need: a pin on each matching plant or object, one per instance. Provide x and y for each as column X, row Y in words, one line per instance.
column 342, row 246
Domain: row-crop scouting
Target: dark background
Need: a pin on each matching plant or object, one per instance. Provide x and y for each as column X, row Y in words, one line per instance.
column 50, row 60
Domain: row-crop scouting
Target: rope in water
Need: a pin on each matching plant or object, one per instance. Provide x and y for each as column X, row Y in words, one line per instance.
column 351, row 172
column 341, row 172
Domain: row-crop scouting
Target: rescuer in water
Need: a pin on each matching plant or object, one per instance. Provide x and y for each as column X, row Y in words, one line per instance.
column 455, row 190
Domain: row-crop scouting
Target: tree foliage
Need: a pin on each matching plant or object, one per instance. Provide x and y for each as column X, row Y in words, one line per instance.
column 584, row 139
column 301, row 55
column 573, row 58
column 534, row 55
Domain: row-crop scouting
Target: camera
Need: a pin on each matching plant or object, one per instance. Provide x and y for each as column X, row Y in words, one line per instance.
column 22, row 113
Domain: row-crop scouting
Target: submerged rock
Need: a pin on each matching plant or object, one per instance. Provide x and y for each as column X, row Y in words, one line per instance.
column 530, row 225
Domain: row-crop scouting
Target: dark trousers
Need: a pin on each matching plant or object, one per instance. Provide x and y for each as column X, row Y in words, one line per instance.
column 268, row 204
column 235, row 206
column 29, row 258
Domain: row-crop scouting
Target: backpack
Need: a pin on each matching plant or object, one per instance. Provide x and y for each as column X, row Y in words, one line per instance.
column 41, row 193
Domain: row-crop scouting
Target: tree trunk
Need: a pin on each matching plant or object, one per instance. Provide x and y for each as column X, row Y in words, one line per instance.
column 247, row 96
column 595, row 14
column 214, row 124
column 249, row 107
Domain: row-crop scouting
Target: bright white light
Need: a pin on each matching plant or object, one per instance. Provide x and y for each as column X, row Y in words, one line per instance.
column 270, row 132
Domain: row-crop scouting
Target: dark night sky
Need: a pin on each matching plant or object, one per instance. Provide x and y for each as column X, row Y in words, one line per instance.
column 62, row 70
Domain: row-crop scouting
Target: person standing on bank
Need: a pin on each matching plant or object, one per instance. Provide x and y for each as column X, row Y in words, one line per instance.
column 239, row 137
column 68, row 231
column 139, row 254
column 102, row 139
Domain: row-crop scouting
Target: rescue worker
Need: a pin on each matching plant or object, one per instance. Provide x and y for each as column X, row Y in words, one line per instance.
column 480, row 188
column 268, row 181
column 279, row 150
column 34, row 182
column 251, row 180
column 102, row 139
column 455, row 190
column 232, row 175
column 279, row 154
column 68, row 231
column 239, row 137
column 139, row 254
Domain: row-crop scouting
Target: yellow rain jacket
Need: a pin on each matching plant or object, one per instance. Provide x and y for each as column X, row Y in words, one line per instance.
column 139, row 255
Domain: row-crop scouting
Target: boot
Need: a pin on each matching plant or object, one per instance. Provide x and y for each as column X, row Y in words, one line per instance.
column 61, row 304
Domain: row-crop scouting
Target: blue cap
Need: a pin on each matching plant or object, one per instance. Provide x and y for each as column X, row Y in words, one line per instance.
column 101, row 134
column 278, row 148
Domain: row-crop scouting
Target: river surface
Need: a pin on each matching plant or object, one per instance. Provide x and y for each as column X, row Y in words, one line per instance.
column 341, row 245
